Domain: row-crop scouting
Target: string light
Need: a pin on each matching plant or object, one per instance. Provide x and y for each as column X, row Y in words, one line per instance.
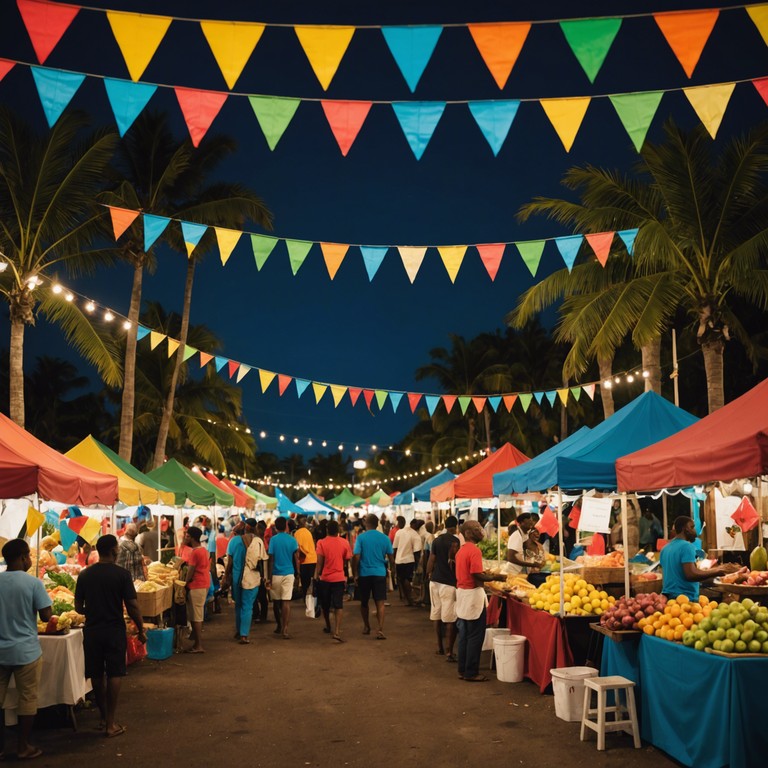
column 108, row 316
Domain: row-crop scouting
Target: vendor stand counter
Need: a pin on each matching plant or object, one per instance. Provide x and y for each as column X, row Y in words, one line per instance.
column 702, row 709
column 63, row 676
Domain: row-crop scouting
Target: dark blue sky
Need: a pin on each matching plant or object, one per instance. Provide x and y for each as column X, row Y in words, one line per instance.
column 352, row 331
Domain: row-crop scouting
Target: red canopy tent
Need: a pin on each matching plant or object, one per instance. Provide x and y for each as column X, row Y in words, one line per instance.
column 729, row 444
column 27, row 466
column 241, row 500
column 477, row 482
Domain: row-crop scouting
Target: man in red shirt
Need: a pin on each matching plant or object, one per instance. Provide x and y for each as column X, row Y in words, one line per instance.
column 471, row 602
column 333, row 554
column 198, row 582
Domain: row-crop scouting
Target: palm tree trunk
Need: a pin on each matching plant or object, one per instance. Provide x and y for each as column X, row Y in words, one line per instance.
column 713, row 365
column 165, row 421
column 129, row 370
column 487, row 417
column 16, row 373
column 652, row 363
column 605, row 364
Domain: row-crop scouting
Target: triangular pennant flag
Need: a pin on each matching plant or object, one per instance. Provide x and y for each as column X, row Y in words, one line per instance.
column 232, row 366
column 413, row 400
column 395, row 398
column 368, row 397
column 449, row 401
column 539, row 396
column 243, row 372
column 412, row 259
column 590, row 390
column 569, row 248
column 759, row 15
column 337, row 392
column 273, row 115
column 91, row 530
column 509, row 401
column 199, row 109
column 282, row 382
column 301, row 385
column 464, row 402
column 333, row 255
column 432, row 402
column 418, row 119
column 232, row 44
column 266, row 377
column 590, row 41
column 563, row 395
column 154, row 226
column 220, row 362
column 628, row 238
column 551, row 395
column 297, row 253
column 576, row 392
column 141, row 332
column 525, row 400
column 205, row 358
column 412, row 48
column 710, row 102
column 479, row 403
column 127, row 100
column 452, row 256
column 138, row 36
column 192, row 234
column 346, row 118
column 372, row 257
column 46, row 23
column 491, row 255
column 324, row 47
column 548, row 523
column 56, row 89
column 636, row 111
column 68, row 536
column 761, row 86
column 354, row 394
column 381, row 398
column 121, row 219
column 262, row 246
column 600, row 242
column 187, row 353
column 319, row 390
column 494, row 118
column 499, row 45
column 687, row 33
column 5, row 67
column 495, row 402
column 745, row 515
column 155, row 338
column 173, row 345
column 35, row 519
column 530, row 253
column 227, row 240
column 566, row 116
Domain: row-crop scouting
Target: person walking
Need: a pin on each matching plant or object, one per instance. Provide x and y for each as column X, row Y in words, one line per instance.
column 197, row 585
column 442, row 586
column 101, row 591
column 283, row 569
column 307, row 554
column 129, row 553
column 373, row 550
column 333, row 554
column 21, row 597
column 407, row 547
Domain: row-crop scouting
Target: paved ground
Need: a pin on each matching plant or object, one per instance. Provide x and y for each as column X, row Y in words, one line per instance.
column 312, row 702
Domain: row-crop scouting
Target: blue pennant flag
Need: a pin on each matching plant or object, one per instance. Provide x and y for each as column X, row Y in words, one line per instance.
column 539, row 397
column 193, row 234
column 301, row 385
column 494, row 118
column 127, row 100
column 56, row 89
column 154, row 226
column 372, row 258
column 432, row 403
column 411, row 48
column 569, row 248
column 494, row 401
column 141, row 332
column 219, row 362
column 628, row 238
column 551, row 395
column 68, row 536
column 418, row 119
column 395, row 398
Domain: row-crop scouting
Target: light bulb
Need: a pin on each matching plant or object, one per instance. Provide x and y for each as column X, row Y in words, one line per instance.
column 607, row 384
column 407, row 451
column 646, row 374
column 309, row 442
column 127, row 325
column 325, row 444
column 57, row 288
column 69, row 297
column 247, row 430
column 295, row 440
column 90, row 307
column 282, row 438
column 262, row 434
column 108, row 316
column 341, row 446
column 630, row 378
column 617, row 380
column 374, row 448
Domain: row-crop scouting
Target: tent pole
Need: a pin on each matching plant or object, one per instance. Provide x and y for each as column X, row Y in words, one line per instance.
column 759, row 482
column 624, row 543
column 498, row 530
column 665, row 518
column 562, row 549
column 36, row 500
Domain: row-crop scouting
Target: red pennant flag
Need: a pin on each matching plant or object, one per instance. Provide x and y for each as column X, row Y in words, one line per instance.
column 205, row 358
column 46, row 23
column 121, row 219
column 573, row 517
column 491, row 257
column 762, row 87
column 597, row 547
column 76, row 523
column 199, row 109
column 601, row 245
column 282, row 382
column 233, row 366
column 368, row 395
column 6, row 66
column 745, row 516
column 354, row 393
column 548, row 523
column 509, row 401
column 413, row 400
column 346, row 118
column 479, row 403
column 449, row 401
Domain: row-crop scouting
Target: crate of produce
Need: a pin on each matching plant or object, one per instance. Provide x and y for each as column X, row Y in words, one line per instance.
column 646, row 585
column 593, row 574
column 155, row 602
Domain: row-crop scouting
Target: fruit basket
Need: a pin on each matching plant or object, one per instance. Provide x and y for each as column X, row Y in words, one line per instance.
column 602, row 575
column 741, row 589
column 645, row 586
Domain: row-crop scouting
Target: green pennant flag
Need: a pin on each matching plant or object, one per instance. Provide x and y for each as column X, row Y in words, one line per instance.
column 464, row 402
column 530, row 251
column 297, row 252
column 590, row 41
column 188, row 352
column 576, row 392
column 381, row 398
column 273, row 114
column 262, row 246
column 525, row 400
column 636, row 110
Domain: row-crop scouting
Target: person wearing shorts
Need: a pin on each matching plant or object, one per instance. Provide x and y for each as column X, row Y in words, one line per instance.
column 101, row 591
column 407, row 548
column 198, row 583
column 283, row 569
column 373, row 550
column 442, row 586
column 333, row 554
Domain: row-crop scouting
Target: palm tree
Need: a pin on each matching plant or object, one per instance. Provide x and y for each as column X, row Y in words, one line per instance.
column 701, row 246
column 49, row 217
column 156, row 173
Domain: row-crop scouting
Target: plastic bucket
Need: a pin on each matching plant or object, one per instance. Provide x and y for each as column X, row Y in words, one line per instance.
column 159, row 643
column 568, row 687
column 510, row 658
column 490, row 634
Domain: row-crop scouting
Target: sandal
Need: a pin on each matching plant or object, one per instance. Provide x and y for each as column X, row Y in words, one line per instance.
column 36, row 752
column 119, row 731
column 380, row 635
column 338, row 639
column 476, row 679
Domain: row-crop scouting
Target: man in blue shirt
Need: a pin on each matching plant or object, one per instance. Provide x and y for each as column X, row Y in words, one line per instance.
column 369, row 567
column 283, row 570
column 678, row 563
column 21, row 596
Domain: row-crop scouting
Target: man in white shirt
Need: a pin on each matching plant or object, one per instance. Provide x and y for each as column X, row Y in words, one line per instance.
column 407, row 546
column 518, row 535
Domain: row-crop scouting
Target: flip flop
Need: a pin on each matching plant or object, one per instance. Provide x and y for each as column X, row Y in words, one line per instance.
column 338, row 639
column 380, row 635
column 367, row 631
column 119, row 731
column 36, row 752
column 450, row 657
column 476, row 679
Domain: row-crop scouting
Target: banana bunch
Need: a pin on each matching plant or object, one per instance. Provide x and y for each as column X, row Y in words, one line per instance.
column 519, row 581
column 163, row 575
column 146, row 586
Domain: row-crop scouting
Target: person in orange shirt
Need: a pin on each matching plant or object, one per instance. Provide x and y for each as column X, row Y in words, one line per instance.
column 307, row 554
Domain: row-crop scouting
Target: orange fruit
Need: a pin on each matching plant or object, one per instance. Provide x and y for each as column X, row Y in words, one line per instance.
column 703, row 599
column 648, row 629
column 683, row 599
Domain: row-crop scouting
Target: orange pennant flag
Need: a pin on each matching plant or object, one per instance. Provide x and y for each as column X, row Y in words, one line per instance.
column 265, row 377
column 354, row 393
column 413, row 400
column 479, row 403
column 566, row 116
column 600, row 243
column 138, row 36
column 346, row 118
column 491, row 255
column 499, row 45
column 205, row 358
column 449, row 401
column 232, row 367
column 199, row 109
column 324, row 47
column 687, row 33
column 282, row 382
column 509, row 401
column 173, row 345
column 121, row 219
column 452, row 256
column 333, row 255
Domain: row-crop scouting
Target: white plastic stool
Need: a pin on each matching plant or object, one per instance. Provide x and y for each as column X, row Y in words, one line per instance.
column 601, row 686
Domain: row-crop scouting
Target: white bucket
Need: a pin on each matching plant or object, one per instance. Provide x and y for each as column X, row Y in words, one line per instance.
column 490, row 633
column 510, row 657
column 568, row 687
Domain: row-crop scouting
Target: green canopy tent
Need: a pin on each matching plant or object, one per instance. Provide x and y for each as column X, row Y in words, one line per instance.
column 346, row 499
column 380, row 499
column 269, row 501
column 188, row 485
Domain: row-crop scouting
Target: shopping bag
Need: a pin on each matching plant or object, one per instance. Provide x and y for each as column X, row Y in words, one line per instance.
column 310, row 604
column 135, row 650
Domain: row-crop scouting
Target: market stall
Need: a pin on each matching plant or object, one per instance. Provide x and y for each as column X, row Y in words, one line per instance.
column 421, row 491
column 186, row 485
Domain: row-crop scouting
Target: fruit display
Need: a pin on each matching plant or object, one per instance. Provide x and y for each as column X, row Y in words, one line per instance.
column 746, row 577
column 737, row 627
column 581, row 598
column 57, row 625
column 613, row 559
column 629, row 613
column 514, row 584
column 758, row 559
column 161, row 575
column 677, row 616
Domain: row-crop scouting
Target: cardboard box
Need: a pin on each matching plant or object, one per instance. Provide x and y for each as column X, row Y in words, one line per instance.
column 154, row 603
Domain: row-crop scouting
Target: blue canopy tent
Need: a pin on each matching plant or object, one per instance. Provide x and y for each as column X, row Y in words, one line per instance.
column 314, row 505
column 421, row 491
column 285, row 506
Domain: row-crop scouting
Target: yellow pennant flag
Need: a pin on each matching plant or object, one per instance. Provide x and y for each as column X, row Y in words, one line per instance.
column 710, row 102
column 452, row 256
column 91, row 530
column 242, row 372
column 333, row 255
column 265, row 377
column 35, row 519
column 155, row 338
column 759, row 15
column 324, row 47
column 412, row 258
column 563, row 395
column 227, row 240
column 138, row 37
column 173, row 345
column 566, row 116
column 338, row 393
column 319, row 390
column 232, row 44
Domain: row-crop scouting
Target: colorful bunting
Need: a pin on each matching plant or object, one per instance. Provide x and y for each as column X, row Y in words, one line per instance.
column 127, row 100
column 368, row 397
column 628, row 238
column 46, row 23
column 479, row 403
column 495, row 402
column 173, row 345
column 759, row 15
column 530, row 253
column 232, row 367
column 412, row 259
column 199, row 109
column 232, row 44
column 35, row 519
column 395, row 398
column 155, row 338
column 636, row 111
column 121, row 219
column 338, row 393
column 590, row 390
column 687, row 33
column 141, row 332
column 551, row 395
column 494, row 118
column 576, row 392
column 761, row 86
column 273, row 115
column 346, row 118
column 413, row 401
column 432, row 402
column 205, row 358
column 243, row 372
column 499, row 45
column 227, row 240
column 301, row 385
column 282, row 383
column 569, row 248
column 138, row 37
column 563, row 395
column 525, row 400
column 354, row 394
column 381, row 398
column 333, row 255
column 265, row 379
column 418, row 119
column 566, row 116
column 5, row 67
column 372, row 258
column 710, row 102
column 154, row 226
column 412, row 48
column 297, row 253
column 68, row 536
column 448, row 401
column 220, row 362
column 509, row 401
column 55, row 89
column 539, row 397
column 452, row 256
column 464, row 402
column 192, row 234
column 319, row 390
column 324, row 47
column 262, row 246
column 490, row 255
column 187, row 352
column 590, row 40
column 600, row 243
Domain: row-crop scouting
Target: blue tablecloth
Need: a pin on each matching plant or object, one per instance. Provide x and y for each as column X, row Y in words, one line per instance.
column 701, row 709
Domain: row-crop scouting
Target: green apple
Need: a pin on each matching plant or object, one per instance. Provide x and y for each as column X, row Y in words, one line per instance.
column 688, row 638
column 727, row 646
column 724, row 624
column 712, row 635
column 764, row 649
column 718, row 645
column 754, row 646
column 720, row 633
column 740, row 646
column 747, row 635
column 700, row 634
column 750, row 625
column 734, row 634
column 706, row 625
column 699, row 645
